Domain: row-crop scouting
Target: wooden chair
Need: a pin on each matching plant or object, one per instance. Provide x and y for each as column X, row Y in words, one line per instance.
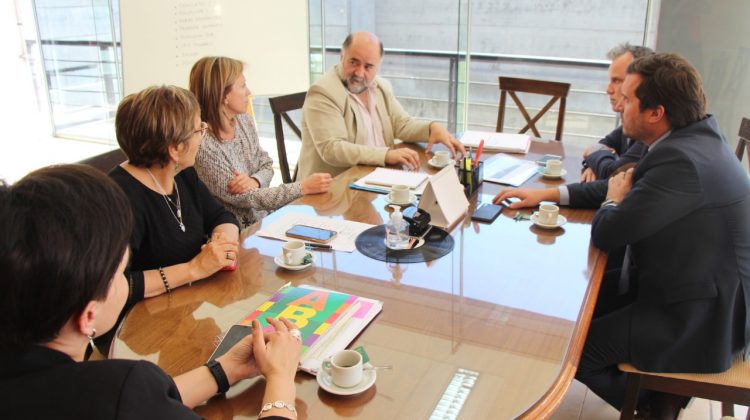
column 106, row 161
column 280, row 106
column 511, row 85
column 730, row 387
column 742, row 143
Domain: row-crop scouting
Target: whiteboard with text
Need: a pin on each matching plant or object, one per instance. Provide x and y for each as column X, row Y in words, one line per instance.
column 162, row 39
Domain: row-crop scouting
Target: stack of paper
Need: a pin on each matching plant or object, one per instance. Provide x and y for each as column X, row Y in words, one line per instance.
column 504, row 169
column 498, row 142
column 382, row 179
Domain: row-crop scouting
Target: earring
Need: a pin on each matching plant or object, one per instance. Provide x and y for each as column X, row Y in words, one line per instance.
column 176, row 167
column 91, row 338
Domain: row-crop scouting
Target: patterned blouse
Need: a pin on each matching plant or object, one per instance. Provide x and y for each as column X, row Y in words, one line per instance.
column 216, row 161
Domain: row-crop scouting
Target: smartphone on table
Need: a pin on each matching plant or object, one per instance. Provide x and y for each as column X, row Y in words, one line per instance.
column 486, row 212
column 310, row 233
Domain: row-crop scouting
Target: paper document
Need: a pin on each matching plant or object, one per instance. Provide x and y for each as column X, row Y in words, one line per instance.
column 503, row 169
column 347, row 231
column 498, row 142
column 382, row 179
column 387, row 177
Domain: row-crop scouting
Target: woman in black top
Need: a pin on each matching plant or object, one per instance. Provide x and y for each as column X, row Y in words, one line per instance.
column 63, row 253
column 181, row 233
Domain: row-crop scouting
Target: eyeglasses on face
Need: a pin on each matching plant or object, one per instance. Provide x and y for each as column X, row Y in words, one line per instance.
column 203, row 129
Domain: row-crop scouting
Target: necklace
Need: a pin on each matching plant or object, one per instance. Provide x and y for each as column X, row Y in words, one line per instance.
column 168, row 200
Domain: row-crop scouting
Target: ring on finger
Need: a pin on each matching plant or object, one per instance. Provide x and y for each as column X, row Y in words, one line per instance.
column 294, row 332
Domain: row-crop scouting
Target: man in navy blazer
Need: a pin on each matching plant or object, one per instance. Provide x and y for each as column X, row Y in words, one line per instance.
column 684, row 214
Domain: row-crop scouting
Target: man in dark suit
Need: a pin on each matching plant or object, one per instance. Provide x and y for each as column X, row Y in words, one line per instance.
column 614, row 150
column 684, row 214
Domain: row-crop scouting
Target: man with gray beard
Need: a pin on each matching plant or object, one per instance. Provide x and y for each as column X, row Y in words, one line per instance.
column 351, row 116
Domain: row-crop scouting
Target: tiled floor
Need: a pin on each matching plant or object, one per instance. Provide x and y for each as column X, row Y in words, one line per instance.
column 580, row 403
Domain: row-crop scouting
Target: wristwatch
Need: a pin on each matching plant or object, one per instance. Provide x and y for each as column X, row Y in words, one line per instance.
column 219, row 376
column 609, row 203
column 278, row 404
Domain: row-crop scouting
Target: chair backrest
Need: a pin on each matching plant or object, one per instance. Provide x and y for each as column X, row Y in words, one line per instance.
column 742, row 143
column 511, row 85
column 280, row 106
column 106, row 161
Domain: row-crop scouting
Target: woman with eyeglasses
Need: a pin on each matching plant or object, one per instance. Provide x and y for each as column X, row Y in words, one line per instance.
column 181, row 234
column 63, row 253
column 230, row 161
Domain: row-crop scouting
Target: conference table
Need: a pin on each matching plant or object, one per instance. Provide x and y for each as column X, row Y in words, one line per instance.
column 494, row 329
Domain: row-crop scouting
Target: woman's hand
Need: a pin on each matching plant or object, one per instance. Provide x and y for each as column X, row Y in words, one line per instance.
column 238, row 363
column 219, row 252
column 277, row 353
column 316, row 183
column 242, row 183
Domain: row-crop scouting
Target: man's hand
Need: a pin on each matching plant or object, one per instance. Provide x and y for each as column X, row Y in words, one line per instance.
column 439, row 134
column 242, row 183
column 620, row 185
column 403, row 156
column 530, row 197
column 588, row 175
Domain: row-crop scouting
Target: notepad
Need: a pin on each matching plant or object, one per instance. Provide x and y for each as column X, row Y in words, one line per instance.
column 387, row 177
column 498, row 142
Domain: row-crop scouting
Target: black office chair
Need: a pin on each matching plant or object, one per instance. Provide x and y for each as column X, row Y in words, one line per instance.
column 280, row 106
column 512, row 85
column 106, row 161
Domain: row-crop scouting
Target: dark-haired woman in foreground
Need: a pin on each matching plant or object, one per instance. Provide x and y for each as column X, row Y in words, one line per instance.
column 62, row 255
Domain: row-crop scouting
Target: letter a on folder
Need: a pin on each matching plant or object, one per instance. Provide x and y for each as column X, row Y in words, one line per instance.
column 443, row 198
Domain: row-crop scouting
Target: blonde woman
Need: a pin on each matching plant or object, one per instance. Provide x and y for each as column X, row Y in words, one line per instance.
column 230, row 160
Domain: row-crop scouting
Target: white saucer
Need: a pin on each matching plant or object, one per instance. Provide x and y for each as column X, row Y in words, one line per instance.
column 432, row 163
column 561, row 220
column 279, row 260
column 368, row 378
column 412, row 199
column 543, row 172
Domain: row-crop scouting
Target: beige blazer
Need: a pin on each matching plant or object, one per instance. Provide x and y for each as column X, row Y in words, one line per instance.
column 333, row 135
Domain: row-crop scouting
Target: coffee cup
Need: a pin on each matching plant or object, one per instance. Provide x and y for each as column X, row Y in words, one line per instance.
column 345, row 368
column 294, row 252
column 554, row 167
column 548, row 214
column 441, row 158
column 400, row 194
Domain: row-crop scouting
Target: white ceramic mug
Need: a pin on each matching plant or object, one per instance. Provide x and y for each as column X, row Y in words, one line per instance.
column 548, row 214
column 400, row 194
column 294, row 252
column 554, row 167
column 441, row 158
column 345, row 368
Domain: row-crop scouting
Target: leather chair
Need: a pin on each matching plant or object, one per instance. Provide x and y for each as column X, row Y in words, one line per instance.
column 106, row 161
column 510, row 86
column 742, row 143
column 280, row 106
column 730, row 387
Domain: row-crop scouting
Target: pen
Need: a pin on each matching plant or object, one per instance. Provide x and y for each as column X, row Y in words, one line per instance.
column 317, row 246
column 467, row 161
column 479, row 153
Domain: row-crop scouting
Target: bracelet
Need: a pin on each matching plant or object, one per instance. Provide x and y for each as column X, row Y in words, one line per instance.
column 219, row 375
column 164, row 280
column 278, row 404
column 609, row 203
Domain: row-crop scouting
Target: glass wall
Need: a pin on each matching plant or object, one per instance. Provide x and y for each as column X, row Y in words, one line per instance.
column 76, row 53
column 443, row 57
